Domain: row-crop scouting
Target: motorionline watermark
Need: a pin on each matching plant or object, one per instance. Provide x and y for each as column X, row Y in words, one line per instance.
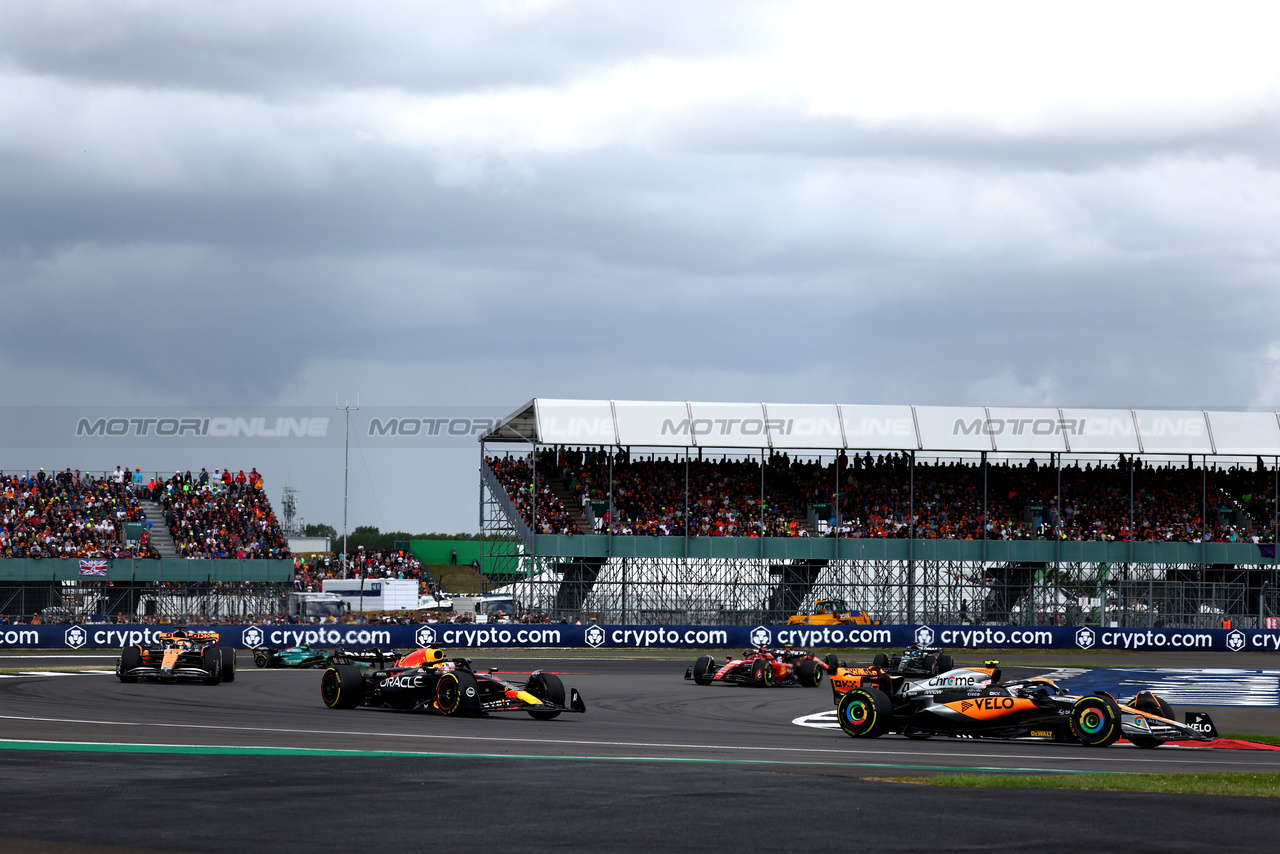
column 1112, row 427
column 222, row 427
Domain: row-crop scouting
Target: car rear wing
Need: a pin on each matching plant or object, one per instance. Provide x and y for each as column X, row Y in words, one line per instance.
column 195, row 636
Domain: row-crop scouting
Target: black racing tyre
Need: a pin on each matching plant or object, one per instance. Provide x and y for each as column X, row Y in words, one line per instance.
column 1152, row 705
column 833, row 662
column 456, row 692
column 808, row 673
column 945, row 663
column 881, row 660
column 864, row 712
column 930, row 664
column 130, row 657
column 762, row 673
column 1095, row 721
column 548, row 688
column 228, row 663
column 704, row 670
column 342, row 686
column 1145, row 701
column 260, row 658
column 211, row 663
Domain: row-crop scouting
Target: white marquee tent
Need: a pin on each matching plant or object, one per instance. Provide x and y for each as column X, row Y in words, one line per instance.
column 791, row 426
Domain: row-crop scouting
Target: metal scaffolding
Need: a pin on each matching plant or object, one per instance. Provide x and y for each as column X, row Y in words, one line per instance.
column 143, row 600
column 616, row 589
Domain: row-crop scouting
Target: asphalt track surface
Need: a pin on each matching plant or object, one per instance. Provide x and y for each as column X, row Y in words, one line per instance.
column 657, row 763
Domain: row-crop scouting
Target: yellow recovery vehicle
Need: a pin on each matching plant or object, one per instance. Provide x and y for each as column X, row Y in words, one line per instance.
column 830, row 612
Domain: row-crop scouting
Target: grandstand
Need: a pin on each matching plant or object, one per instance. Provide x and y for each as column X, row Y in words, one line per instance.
column 707, row 512
column 191, row 544
column 68, row 515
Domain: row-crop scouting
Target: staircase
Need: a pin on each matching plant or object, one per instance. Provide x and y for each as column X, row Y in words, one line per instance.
column 571, row 506
column 161, row 540
column 801, row 520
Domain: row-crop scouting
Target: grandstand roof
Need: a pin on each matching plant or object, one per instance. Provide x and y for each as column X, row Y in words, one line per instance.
column 792, row 426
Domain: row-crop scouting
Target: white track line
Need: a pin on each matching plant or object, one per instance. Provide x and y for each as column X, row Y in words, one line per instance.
column 1023, row 757
column 551, row 757
column 56, row 658
column 42, row 673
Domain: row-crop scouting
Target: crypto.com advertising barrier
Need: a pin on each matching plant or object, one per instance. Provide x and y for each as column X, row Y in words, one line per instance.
column 555, row 636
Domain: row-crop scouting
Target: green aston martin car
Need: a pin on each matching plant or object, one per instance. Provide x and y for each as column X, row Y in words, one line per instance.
column 305, row 656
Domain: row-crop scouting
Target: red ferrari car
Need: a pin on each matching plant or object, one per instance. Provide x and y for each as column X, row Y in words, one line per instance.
column 764, row 668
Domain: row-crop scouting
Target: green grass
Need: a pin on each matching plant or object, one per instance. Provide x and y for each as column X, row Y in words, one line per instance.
column 1249, row 785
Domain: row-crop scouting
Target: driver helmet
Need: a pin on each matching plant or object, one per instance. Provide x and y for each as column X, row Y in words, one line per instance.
column 1041, row 688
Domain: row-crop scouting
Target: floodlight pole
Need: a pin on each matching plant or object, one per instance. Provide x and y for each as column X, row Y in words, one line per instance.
column 686, row 504
column 836, row 466
column 911, row 543
column 1204, row 522
column 347, row 409
column 984, row 511
column 762, row 505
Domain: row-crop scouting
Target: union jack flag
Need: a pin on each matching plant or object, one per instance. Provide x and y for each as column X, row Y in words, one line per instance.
column 93, row 567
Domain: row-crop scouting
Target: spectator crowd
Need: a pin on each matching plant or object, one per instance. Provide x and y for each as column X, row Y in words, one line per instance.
column 309, row 574
column 69, row 514
column 74, row 514
column 886, row 497
column 516, row 476
column 220, row 516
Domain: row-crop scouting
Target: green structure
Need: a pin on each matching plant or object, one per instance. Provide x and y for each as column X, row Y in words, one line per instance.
column 440, row 552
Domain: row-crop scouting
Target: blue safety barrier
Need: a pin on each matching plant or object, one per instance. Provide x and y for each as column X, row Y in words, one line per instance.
column 558, row 636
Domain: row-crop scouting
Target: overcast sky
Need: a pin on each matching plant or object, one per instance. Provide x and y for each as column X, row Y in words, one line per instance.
column 476, row 203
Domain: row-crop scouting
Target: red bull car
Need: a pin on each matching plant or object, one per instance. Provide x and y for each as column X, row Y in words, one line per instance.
column 447, row 687
column 763, row 668
column 178, row 655
column 972, row 702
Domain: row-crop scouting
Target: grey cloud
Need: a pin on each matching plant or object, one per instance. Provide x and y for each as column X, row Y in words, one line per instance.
column 743, row 251
column 292, row 49
column 777, row 131
column 223, row 297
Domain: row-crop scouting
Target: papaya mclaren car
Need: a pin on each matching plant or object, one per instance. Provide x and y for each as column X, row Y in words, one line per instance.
column 178, row 655
column 891, row 673
column 447, row 687
column 764, row 668
column 975, row 703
